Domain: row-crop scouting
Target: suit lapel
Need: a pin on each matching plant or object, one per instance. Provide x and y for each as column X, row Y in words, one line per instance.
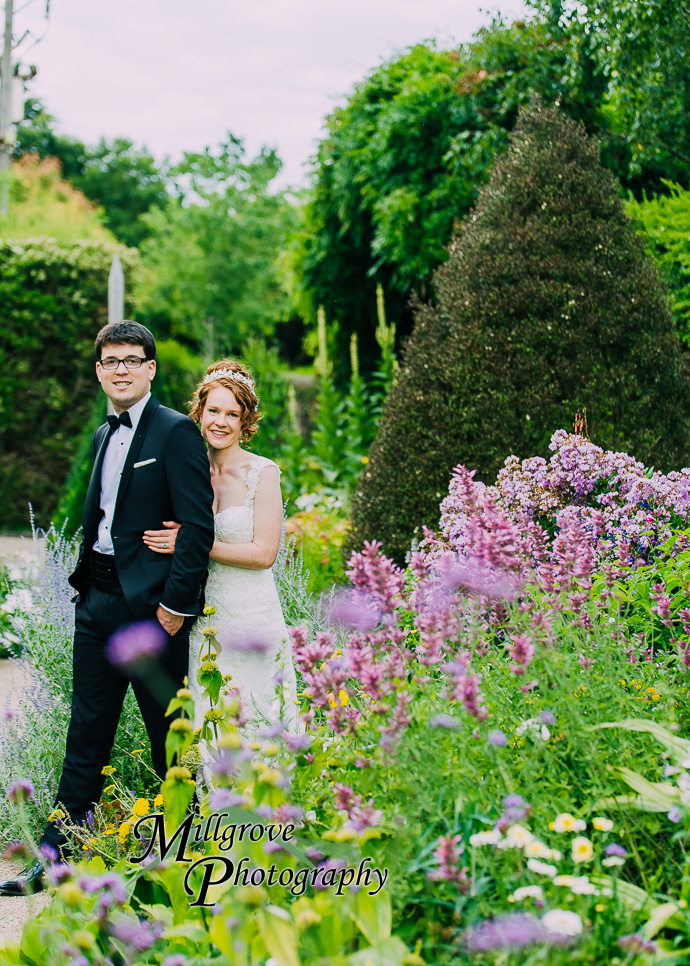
column 93, row 494
column 141, row 430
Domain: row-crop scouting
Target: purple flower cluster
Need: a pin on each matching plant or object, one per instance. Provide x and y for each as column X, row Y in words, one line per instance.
column 508, row 932
column 137, row 936
column 359, row 816
column 606, row 506
column 448, row 855
column 20, row 791
column 515, row 809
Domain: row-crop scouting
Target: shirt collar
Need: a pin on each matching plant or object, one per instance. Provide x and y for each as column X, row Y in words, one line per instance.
column 137, row 409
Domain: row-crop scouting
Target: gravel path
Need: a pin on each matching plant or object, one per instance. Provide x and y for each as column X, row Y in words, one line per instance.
column 14, row 912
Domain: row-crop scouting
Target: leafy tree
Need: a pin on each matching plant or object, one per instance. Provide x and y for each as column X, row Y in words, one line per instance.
column 547, row 305
column 638, row 52
column 665, row 221
column 43, row 203
column 123, row 180
column 402, row 163
column 211, row 263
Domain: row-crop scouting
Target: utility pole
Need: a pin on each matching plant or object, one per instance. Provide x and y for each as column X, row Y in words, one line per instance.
column 6, row 139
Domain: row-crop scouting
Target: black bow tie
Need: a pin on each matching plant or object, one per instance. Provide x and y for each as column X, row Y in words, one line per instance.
column 116, row 421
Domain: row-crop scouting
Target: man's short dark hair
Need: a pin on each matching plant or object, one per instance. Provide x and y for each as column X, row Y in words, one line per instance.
column 126, row 333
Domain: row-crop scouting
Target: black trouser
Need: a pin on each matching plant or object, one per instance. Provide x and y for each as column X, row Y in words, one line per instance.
column 99, row 691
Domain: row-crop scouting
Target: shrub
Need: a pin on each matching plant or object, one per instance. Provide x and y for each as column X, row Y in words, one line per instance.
column 319, row 529
column 54, row 298
column 665, row 221
column 547, row 305
column 42, row 203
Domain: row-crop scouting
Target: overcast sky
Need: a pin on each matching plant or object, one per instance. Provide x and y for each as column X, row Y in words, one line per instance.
column 176, row 75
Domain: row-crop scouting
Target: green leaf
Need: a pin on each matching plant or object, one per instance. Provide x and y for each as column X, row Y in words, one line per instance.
column 390, row 952
column 653, row 796
column 177, row 797
column 279, row 934
column 666, row 914
column 679, row 747
column 372, row 915
column 187, row 930
column 633, row 897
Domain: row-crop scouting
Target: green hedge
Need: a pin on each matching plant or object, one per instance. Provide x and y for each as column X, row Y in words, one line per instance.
column 53, row 300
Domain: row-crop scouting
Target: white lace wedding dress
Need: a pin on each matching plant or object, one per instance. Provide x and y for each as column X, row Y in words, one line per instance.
column 252, row 635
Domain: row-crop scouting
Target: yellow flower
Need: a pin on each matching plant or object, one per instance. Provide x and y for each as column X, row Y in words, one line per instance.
column 344, row 697
column 583, row 850
column 365, row 459
column 123, row 832
column 158, row 801
column 141, row 807
column 138, row 751
column 108, row 789
column 70, row 893
column 108, row 770
column 209, row 631
column 537, row 850
column 271, row 749
column 307, row 917
column 565, row 822
column 178, row 774
column 602, row 824
column 56, row 814
column 340, row 835
column 209, row 610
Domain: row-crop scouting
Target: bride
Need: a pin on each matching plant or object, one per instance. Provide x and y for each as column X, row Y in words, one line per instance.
column 252, row 641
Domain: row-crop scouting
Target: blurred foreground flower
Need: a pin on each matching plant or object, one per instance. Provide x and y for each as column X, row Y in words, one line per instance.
column 508, row 932
column 136, row 644
column 20, row 791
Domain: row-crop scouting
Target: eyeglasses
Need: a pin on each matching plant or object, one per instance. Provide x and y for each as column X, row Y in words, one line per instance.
column 131, row 362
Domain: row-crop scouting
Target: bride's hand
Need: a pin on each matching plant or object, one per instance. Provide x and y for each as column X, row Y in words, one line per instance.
column 162, row 541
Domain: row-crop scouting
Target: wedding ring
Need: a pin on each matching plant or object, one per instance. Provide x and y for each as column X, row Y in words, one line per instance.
column 165, row 546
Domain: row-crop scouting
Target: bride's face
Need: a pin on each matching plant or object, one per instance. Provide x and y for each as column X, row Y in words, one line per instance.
column 221, row 420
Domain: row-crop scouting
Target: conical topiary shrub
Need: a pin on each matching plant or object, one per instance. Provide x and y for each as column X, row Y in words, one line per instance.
column 547, row 304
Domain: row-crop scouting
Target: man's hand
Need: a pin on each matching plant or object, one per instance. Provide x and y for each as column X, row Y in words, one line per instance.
column 169, row 622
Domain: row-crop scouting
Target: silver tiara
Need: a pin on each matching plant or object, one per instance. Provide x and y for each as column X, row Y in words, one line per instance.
column 229, row 374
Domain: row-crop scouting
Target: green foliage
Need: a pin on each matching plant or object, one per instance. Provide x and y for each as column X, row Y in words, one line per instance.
column 615, row 47
column 665, row 221
column 320, row 528
column 178, row 370
column 211, row 268
column 271, row 380
column 43, row 204
column 123, row 180
column 73, row 495
column 548, row 305
column 54, row 300
column 402, row 163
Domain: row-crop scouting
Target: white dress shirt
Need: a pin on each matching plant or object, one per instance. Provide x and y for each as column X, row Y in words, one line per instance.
column 111, row 473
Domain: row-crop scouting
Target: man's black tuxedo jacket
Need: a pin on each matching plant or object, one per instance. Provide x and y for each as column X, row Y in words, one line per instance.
column 175, row 485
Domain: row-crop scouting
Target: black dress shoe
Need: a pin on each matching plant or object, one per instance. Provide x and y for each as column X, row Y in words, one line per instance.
column 31, row 880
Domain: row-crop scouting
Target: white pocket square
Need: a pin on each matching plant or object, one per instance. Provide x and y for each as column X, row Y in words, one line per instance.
column 143, row 463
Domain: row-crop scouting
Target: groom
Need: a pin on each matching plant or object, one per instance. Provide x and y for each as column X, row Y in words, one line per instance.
column 150, row 465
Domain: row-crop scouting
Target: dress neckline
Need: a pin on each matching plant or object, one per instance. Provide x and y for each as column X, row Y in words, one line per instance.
column 250, row 489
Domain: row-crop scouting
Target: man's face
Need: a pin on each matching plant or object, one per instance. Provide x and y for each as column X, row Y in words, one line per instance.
column 124, row 385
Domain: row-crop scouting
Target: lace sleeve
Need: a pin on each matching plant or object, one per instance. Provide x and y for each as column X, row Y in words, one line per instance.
column 253, row 474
